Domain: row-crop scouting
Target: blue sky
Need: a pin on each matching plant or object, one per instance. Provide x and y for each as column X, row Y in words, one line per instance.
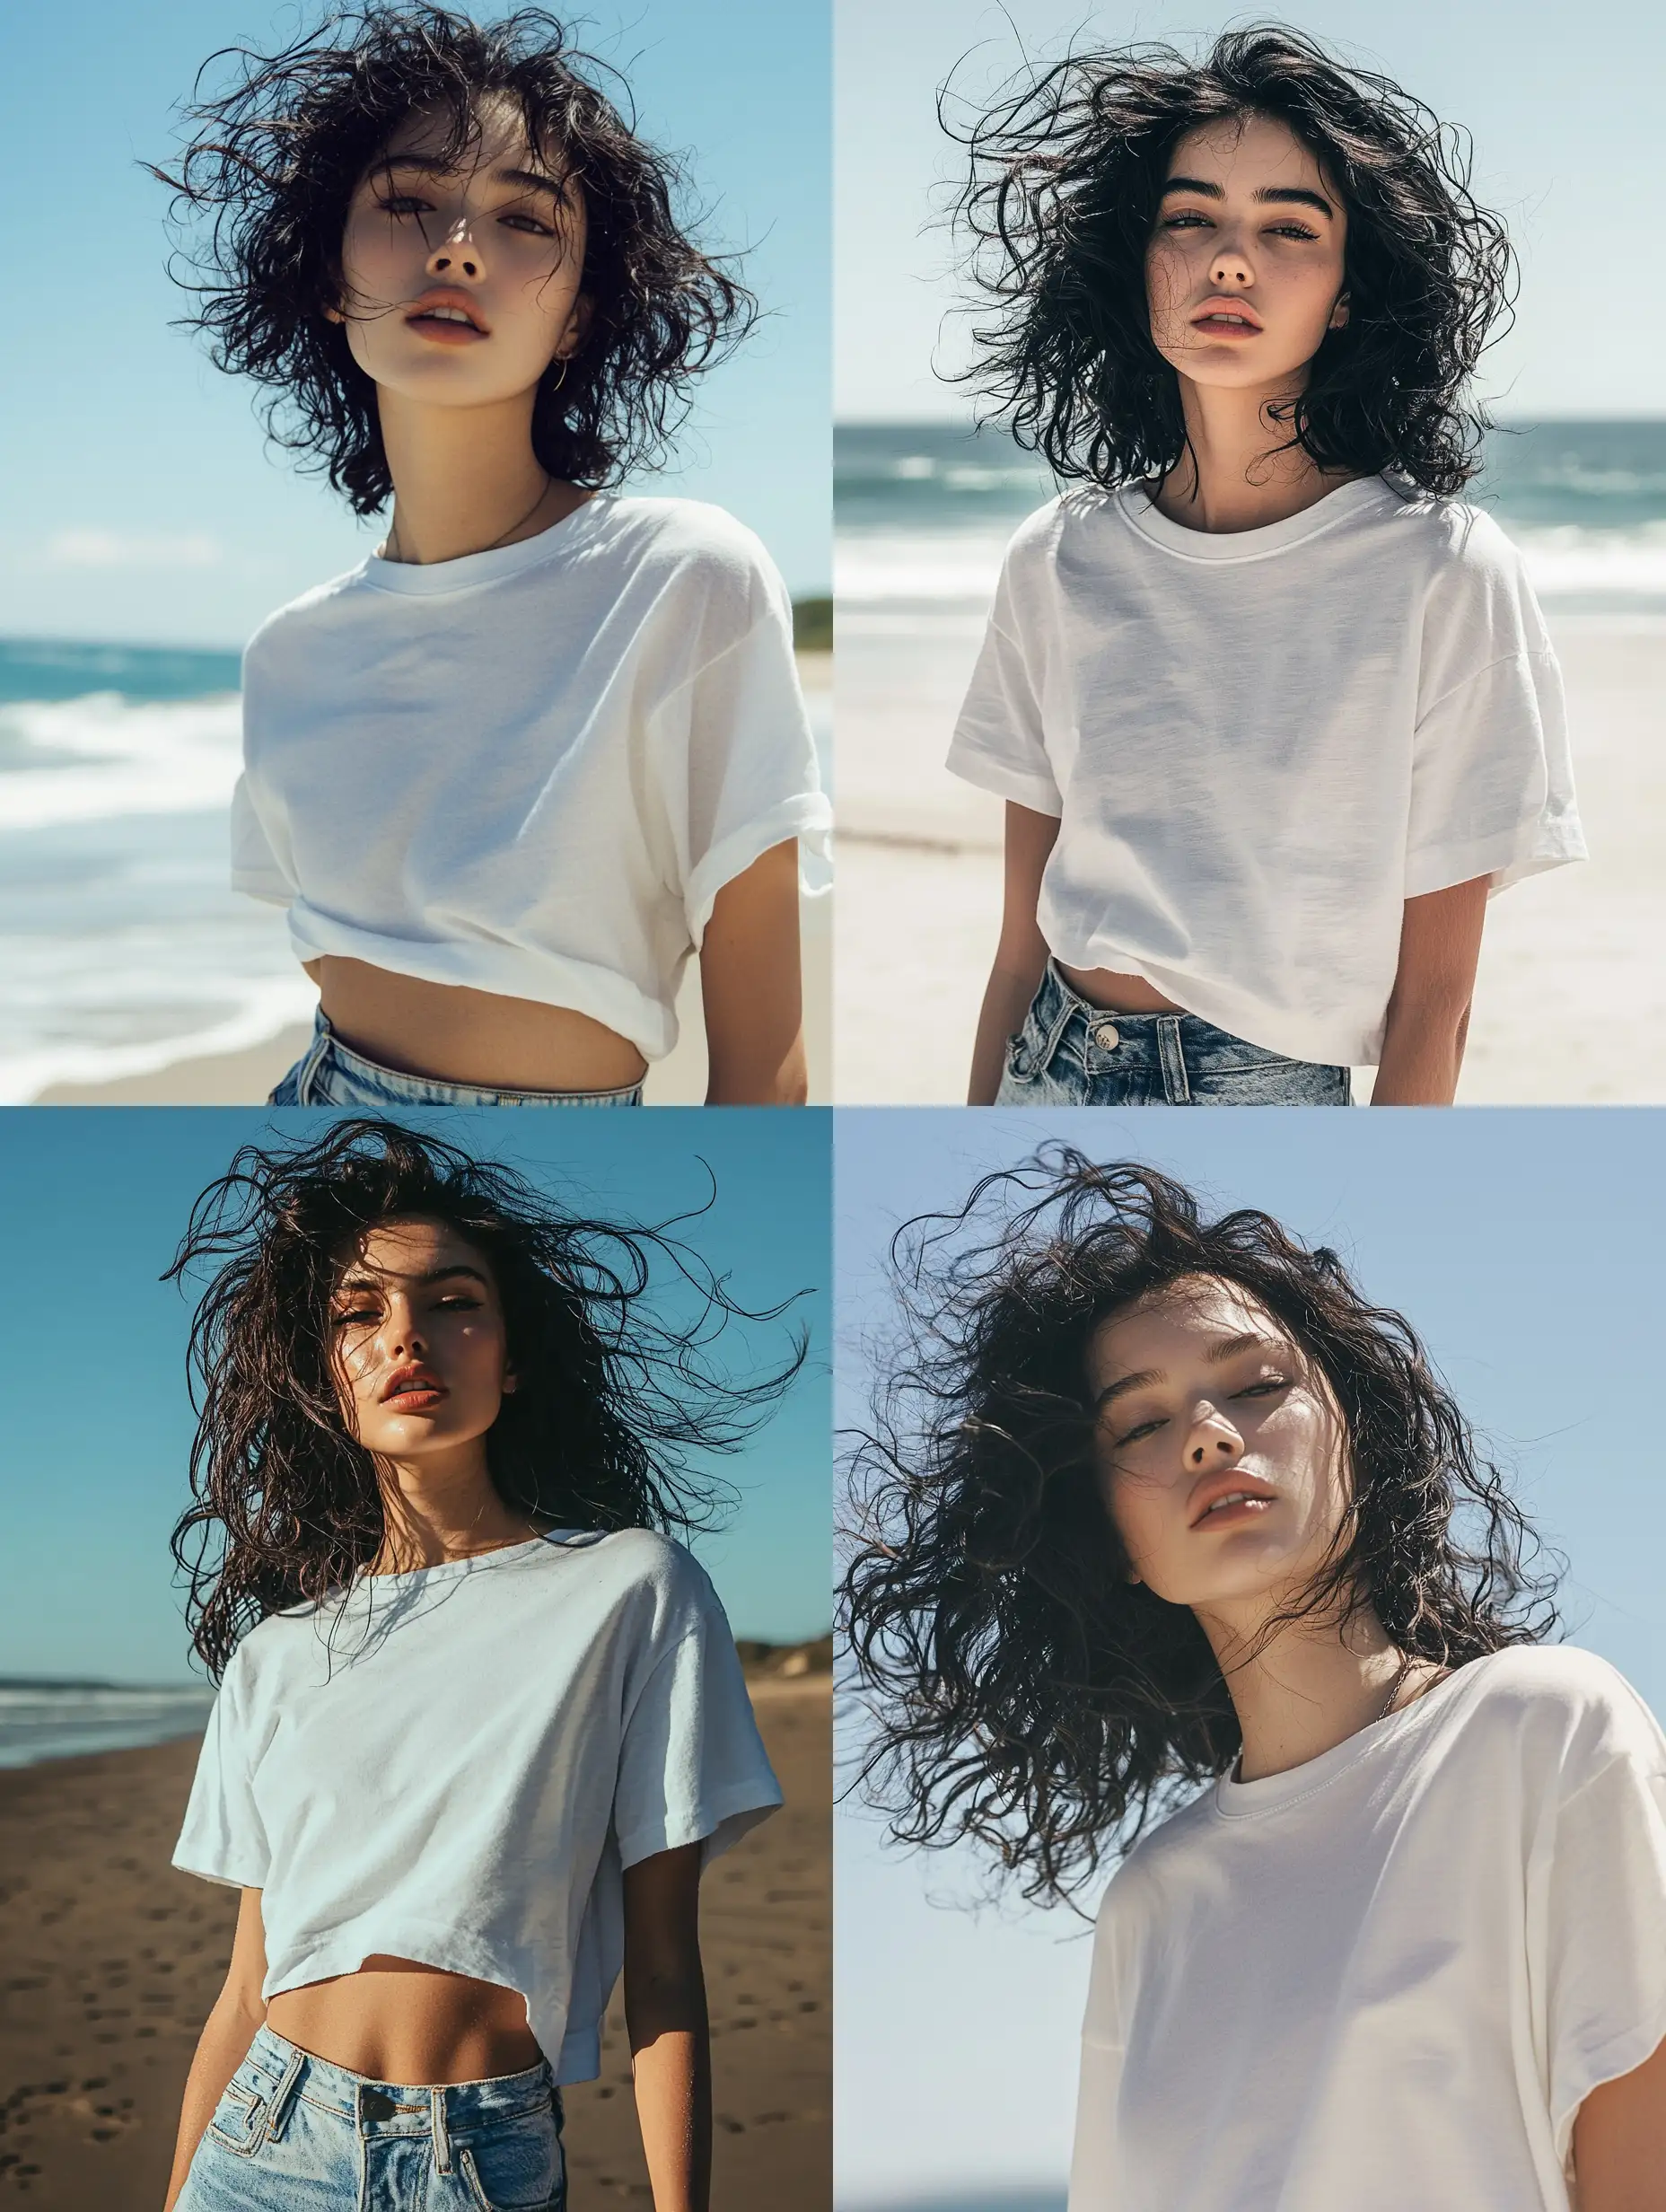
column 1564, row 108
column 1524, row 1244
column 92, row 1351
column 141, row 503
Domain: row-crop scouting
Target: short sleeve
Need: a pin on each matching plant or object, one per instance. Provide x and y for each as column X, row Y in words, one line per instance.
column 1492, row 782
column 1605, row 1968
column 692, row 1765
column 998, row 742
column 255, row 868
column 1092, row 2158
column 752, row 780
column 222, row 1839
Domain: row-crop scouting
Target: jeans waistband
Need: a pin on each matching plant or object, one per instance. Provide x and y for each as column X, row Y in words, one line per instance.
column 393, row 2108
column 407, row 1090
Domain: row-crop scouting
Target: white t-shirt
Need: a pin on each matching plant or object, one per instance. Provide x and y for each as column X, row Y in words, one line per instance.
column 1388, row 1977
column 457, row 1764
column 530, row 770
column 1260, row 743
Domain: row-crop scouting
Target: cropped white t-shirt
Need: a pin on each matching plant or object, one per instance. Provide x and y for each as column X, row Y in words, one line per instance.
column 1389, row 1976
column 531, row 769
column 456, row 1765
column 1260, row 743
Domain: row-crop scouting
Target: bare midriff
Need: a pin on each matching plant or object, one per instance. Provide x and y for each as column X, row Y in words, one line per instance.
column 398, row 2021
column 456, row 1034
column 1103, row 987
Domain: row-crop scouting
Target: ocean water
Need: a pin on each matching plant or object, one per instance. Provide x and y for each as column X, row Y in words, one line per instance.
column 41, row 1720
column 923, row 510
column 122, row 947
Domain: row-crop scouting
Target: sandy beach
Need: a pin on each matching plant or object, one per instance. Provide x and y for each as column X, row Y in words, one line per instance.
column 246, row 1078
column 1570, row 1002
column 112, row 1961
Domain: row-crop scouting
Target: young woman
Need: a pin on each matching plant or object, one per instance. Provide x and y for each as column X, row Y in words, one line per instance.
column 1162, row 1516
column 1272, row 710
column 481, row 1721
column 548, row 739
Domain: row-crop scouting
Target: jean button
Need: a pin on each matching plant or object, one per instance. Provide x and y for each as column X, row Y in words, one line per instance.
column 1105, row 1036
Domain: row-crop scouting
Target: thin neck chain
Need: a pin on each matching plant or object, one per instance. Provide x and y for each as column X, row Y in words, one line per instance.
column 393, row 550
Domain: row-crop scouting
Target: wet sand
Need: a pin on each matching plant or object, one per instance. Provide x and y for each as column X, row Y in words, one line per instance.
column 110, row 1961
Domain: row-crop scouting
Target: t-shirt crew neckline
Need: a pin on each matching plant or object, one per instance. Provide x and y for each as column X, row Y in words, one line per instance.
column 1137, row 509
column 425, row 579
column 1272, row 1793
column 442, row 1569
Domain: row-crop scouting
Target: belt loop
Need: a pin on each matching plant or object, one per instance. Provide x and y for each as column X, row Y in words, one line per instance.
column 436, row 2121
column 313, row 1059
column 283, row 2097
column 1176, row 1089
column 1070, row 1004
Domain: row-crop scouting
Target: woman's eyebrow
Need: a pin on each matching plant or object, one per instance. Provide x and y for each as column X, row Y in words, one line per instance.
column 1223, row 1349
column 357, row 1286
column 435, row 165
column 1281, row 195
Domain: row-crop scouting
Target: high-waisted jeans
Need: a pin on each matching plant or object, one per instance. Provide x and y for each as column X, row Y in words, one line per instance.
column 295, row 2134
column 330, row 1074
column 1073, row 1053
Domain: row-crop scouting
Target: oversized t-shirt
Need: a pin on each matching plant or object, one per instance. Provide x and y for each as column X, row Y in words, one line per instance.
column 1388, row 1977
column 1260, row 743
column 529, row 770
column 456, row 1765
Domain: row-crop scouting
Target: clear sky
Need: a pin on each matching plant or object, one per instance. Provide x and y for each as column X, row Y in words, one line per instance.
column 98, row 1425
column 1523, row 1246
column 141, row 503
column 1564, row 106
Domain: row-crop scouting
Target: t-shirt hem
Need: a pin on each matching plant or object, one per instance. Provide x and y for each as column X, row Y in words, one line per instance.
column 719, row 1822
column 973, row 765
column 579, row 2058
column 511, row 971
column 1531, row 848
column 807, row 816
column 271, row 889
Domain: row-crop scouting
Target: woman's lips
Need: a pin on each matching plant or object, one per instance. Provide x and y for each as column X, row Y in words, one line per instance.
column 1240, row 1509
column 419, row 1399
column 1215, row 326
column 443, row 333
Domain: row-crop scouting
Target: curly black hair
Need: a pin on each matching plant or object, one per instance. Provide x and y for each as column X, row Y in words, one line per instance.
column 276, row 159
column 1021, row 1691
column 1060, row 206
column 615, row 1385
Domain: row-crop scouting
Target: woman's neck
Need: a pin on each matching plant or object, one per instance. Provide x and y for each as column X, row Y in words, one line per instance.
column 466, row 479
column 1233, row 476
column 444, row 1509
column 1312, row 1686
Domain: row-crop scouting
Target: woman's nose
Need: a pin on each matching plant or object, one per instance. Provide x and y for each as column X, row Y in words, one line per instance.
column 1213, row 1437
column 457, row 254
column 1230, row 271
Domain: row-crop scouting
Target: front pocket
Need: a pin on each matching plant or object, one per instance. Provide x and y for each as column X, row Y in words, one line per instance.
column 239, row 2119
column 516, row 2167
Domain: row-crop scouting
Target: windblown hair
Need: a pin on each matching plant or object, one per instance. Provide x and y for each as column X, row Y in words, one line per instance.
column 265, row 186
column 1022, row 1693
column 1061, row 204
column 608, row 1327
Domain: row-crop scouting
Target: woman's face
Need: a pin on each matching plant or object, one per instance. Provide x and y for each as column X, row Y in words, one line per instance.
column 460, row 284
column 1244, row 269
column 1221, row 1453
column 421, row 1349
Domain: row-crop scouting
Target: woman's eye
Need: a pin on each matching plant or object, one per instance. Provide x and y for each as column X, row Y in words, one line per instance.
column 1265, row 1388
column 529, row 223
column 356, row 1314
column 1293, row 230
column 402, row 204
column 1145, row 1429
column 1189, row 222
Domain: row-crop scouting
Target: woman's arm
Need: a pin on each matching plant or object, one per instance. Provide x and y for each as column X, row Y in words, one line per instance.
column 665, row 2018
column 1429, row 1008
column 1020, row 955
column 751, row 988
column 230, row 2029
column 1619, row 2142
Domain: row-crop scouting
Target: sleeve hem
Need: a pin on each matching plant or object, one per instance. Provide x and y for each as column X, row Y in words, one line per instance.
column 226, row 1879
column 973, row 765
column 707, row 1820
column 1620, row 2055
column 808, row 816
column 1530, row 850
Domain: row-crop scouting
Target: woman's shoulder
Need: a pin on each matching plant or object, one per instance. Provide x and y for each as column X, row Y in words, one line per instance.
column 1560, row 1703
column 1455, row 535
column 281, row 631
column 685, row 533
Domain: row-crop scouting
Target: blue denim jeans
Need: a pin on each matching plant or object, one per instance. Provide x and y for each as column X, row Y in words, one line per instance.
column 295, row 2134
column 328, row 1073
column 1072, row 1053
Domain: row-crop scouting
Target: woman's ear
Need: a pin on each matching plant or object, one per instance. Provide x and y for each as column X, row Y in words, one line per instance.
column 1339, row 313
column 511, row 1382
